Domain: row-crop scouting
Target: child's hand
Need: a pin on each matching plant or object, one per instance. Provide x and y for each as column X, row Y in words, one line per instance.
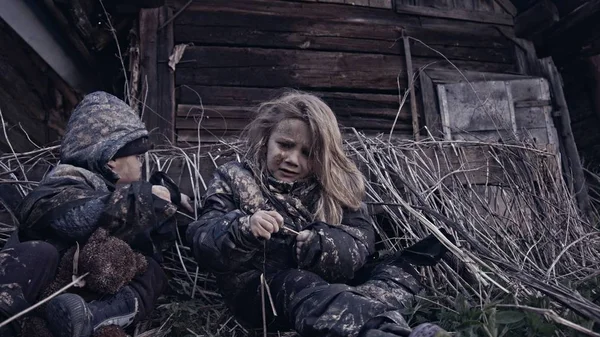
column 186, row 203
column 301, row 240
column 161, row 192
column 264, row 223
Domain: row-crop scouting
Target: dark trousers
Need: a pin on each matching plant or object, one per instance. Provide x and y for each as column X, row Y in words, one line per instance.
column 149, row 286
column 311, row 306
column 25, row 271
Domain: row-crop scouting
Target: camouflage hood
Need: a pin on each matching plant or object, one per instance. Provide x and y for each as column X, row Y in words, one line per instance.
column 100, row 125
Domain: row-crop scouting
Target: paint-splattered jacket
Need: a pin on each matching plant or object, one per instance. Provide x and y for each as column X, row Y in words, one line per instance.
column 80, row 194
column 221, row 239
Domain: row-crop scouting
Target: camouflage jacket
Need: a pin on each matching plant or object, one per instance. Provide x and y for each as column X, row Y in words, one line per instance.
column 79, row 195
column 221, row 239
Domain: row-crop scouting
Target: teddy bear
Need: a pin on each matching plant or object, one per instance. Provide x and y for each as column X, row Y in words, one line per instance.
column 111, row 264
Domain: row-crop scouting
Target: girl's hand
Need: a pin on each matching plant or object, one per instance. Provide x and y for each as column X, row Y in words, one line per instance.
column 264, row 223
column 301, row 240
column 186, row 203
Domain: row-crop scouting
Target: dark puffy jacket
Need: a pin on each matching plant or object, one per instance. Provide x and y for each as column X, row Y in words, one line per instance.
column 222, row 242
column 79, row 194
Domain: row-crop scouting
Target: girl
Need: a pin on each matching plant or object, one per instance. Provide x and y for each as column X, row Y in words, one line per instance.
column 293, row 211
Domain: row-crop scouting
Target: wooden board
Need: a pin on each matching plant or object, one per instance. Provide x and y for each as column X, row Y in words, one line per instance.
column 235, row 29
column 254, row 67
column 342, row 103
column 465, row 14
column 499, row 111
column 215, row 119
column 158, row 88
column 303, row 10
column 536, row 19
column 148, row 64
column 165, row 76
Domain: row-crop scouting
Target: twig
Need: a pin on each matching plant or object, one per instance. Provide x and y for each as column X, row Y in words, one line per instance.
column 33, row 307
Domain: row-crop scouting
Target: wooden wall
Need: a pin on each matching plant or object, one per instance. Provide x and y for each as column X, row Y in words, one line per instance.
column 241, row 52
column 34, row 101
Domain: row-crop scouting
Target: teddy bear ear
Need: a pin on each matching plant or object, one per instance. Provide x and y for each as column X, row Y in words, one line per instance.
column 141, row 263
column 99, row 235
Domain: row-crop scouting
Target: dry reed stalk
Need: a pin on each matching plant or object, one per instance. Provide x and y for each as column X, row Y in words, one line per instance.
column 517, row 224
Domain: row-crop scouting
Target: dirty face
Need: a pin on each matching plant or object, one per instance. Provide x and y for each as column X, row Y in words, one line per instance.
column 129, row 169
column 288, row 151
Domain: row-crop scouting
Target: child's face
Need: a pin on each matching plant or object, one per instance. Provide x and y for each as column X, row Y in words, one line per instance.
column 288, row 151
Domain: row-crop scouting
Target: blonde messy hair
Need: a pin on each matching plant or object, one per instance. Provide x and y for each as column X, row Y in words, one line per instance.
column 341, row 183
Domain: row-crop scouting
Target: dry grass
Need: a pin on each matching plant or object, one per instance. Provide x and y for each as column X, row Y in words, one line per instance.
column 525, row 261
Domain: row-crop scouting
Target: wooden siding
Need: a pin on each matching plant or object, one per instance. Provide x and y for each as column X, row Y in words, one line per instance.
column 34, row 101
column 242, row 52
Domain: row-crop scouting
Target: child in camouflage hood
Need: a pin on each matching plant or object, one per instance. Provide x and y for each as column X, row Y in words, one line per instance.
column 293, row 213
column 97, row 185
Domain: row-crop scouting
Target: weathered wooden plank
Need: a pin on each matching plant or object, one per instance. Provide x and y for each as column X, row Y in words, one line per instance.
column 345, row 37
column 435, row 3
column 357, row 27
column 508, row 6
column 451, row 25
column 206, row 136
column 254, row 67
column 387, row 4
column 306, row 10
column 484, row 5
column 580, row 185
column 148, row 21
column 430, row 110
column 194, row 122
column 238, row 124
column 165, row 76
column 458, row 14
column 219, row 111
column 527, row 60
column 532, row 117
column 411, row 88
column 443, row 76
column 536, row 19
column 231, row 101
column 364, row 3
column 463, row 4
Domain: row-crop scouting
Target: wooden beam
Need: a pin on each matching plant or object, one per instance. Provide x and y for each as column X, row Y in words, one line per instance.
column 237, row 102
column 508, row 6
column 431, row 113
column 458, row 14
column 310, row 70
column 366, row 36
column 165, row 75
column 411, row 88
column 581, row 189
column 536, row 19
column 158, row 88
column 571, row 33
column 148, row 63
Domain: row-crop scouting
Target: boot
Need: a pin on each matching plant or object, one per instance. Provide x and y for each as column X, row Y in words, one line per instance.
column 70, row 316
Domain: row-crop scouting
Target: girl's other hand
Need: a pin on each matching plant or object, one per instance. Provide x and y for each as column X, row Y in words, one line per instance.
column 186, row 203
column 265, row 223
column 302, row 238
